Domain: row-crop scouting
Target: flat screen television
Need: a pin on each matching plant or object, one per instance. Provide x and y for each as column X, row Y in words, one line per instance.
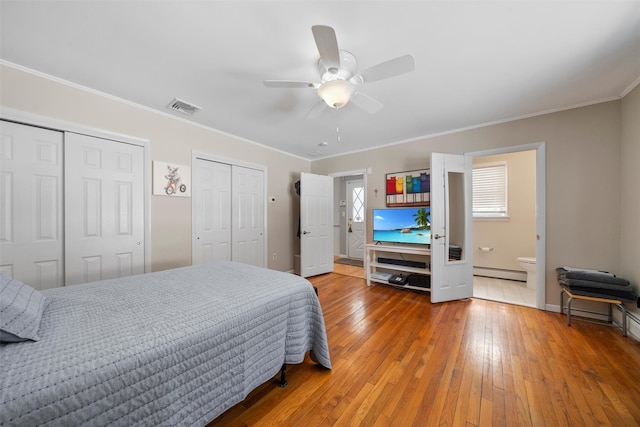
column 402, row 225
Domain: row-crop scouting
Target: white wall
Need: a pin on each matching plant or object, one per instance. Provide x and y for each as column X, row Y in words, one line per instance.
column 172, row 139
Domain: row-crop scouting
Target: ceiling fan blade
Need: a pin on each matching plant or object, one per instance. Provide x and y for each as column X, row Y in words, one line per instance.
column 316, row 110
column 367, row 103
column 291, row 84
column 327, row 43
column 390, row 68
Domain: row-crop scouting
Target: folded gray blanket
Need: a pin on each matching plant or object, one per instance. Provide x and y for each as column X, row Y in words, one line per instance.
column 596, row 277
column 595, row 285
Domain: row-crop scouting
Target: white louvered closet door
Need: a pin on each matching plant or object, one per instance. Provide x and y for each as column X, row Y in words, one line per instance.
column 31, row 224
column 104, row 209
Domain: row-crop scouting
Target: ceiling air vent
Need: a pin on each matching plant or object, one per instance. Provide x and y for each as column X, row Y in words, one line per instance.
column 183, row 107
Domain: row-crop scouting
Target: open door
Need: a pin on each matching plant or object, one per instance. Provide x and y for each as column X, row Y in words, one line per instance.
column 451, row 228
column 316, row 224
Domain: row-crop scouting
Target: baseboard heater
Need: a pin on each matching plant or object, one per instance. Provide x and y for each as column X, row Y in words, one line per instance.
column 500, row 273
column 403, row 262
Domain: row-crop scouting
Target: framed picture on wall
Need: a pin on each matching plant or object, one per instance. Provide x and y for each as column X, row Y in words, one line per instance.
column 410, row 188
column 170, row 179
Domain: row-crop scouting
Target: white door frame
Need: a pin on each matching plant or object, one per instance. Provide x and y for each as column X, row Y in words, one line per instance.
column 233, row 162
column 541, row 241
column 32, row 119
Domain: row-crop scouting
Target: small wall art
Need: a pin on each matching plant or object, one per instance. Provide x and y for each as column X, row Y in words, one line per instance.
column 171, row 179
column 411, row 188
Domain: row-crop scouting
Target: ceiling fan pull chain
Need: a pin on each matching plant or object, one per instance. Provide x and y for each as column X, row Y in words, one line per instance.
column 337, row 125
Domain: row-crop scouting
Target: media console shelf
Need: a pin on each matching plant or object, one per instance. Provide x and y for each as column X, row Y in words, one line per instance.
column 374, row 252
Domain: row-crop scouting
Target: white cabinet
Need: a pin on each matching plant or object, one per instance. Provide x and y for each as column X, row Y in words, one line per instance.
column 374, row 264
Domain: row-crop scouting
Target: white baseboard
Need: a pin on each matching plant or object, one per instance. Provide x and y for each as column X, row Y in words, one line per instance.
column 552, row 307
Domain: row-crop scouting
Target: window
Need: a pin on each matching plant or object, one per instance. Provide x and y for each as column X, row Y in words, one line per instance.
column 357, row 200
column 490, row 190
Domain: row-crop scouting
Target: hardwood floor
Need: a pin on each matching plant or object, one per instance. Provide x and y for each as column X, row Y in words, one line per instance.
column 399, row 360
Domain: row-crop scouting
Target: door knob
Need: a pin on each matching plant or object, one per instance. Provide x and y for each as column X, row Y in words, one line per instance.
column 306, row 232
column 437, row 236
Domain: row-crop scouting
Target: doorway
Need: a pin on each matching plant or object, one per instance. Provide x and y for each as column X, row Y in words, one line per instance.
column 346, row 199
column 349, row 247
column 499, row 241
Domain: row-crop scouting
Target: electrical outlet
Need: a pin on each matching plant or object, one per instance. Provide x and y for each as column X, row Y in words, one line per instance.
column 275, row 256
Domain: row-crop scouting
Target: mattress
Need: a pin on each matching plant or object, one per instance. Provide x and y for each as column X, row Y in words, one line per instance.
column 176, row 347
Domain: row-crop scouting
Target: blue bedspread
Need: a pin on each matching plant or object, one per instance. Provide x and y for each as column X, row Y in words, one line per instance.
column 176, row 347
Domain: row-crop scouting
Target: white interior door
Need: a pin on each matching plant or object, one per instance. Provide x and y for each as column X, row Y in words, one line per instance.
column 31, row 224
column 451, row 227
column 212, row 211
column 104, row 209
column 247, row 224
column 316, row 224
column 355, row 219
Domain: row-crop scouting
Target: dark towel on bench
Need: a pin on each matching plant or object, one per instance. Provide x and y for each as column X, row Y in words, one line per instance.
column 595, row 285
column 596, row 277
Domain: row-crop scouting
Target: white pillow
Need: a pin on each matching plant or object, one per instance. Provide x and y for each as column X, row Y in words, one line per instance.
column 21, row 309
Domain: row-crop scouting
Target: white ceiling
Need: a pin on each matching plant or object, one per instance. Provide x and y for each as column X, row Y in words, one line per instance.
column 476, row 62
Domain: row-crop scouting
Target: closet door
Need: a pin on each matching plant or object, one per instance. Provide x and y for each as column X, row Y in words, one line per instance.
column 228, row 213
column 212, row 211
column 104, row 209
column 31, row 225
column 247, row 215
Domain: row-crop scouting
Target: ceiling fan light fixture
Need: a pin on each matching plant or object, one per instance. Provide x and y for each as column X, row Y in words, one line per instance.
column 336, row 93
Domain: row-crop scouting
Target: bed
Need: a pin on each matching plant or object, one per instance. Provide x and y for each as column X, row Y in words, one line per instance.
column 176, row 347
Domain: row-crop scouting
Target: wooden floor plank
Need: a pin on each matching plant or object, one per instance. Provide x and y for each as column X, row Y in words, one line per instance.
column 399, row 360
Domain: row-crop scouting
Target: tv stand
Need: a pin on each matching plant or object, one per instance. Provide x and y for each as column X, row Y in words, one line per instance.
column 373, row 253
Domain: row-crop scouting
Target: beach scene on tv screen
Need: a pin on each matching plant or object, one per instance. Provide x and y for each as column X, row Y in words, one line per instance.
column 402, row 225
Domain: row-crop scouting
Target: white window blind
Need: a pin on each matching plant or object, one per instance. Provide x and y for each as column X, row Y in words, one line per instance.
column 490, row 190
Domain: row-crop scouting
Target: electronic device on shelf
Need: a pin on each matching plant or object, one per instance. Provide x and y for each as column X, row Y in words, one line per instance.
column 402, row 225
column 403, row 262
column 378, row 275
column 398, row 279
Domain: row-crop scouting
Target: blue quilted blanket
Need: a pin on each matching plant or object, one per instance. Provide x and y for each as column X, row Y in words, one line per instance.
column 176, row 347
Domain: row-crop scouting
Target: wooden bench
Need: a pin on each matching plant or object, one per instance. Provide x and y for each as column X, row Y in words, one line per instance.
column 609, row 301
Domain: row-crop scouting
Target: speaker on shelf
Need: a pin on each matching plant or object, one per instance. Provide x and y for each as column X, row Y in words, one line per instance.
column 419, row 280
column 403, row 262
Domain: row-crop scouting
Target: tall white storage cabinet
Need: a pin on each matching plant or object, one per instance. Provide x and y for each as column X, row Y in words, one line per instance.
column 228, row 212
column 72, row 206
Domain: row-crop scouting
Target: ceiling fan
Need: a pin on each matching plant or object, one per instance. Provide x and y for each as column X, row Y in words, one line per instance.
column 339, row 81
